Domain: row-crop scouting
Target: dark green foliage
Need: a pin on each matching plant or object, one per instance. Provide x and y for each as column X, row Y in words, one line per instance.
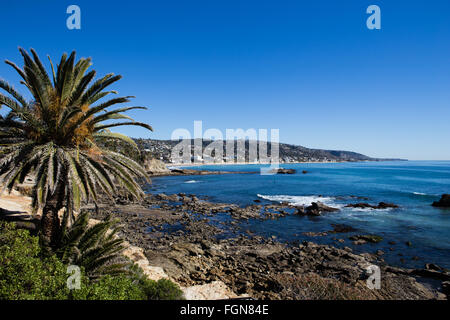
column 26, row 274
column 23, row 275
column 109, row 288
column 125, row 148
column 162, row 289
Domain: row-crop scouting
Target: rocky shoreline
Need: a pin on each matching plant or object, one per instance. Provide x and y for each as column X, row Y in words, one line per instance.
column 191, row 172
column 180, row 236
column 179, row 233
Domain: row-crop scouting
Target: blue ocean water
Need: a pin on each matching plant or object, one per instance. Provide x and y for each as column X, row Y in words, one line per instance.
column 413, row 185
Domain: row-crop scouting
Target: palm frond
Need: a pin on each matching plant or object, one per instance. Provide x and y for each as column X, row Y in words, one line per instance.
column 59, row 138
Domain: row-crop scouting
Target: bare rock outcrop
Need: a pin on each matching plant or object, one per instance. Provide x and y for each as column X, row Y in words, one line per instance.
column 214, row 290
column 155, row 166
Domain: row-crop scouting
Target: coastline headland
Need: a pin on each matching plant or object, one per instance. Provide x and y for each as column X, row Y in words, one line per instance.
column 241, row 151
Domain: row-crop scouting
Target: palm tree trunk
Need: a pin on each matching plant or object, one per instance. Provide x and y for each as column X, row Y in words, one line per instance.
column 50, row 222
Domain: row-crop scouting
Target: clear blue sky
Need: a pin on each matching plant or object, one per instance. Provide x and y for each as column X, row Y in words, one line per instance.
column 310, row 68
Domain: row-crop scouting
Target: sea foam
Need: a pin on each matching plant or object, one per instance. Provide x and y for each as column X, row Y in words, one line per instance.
column 300, row 200
column 307, row 200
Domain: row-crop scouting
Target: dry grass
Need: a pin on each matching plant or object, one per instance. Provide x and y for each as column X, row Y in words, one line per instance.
column 311, row 286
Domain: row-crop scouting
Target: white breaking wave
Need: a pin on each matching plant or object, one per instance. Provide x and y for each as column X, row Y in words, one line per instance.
column 369, row 210
column 307, row 200
column 420, row 193
column 191, row 181
column 300, row 200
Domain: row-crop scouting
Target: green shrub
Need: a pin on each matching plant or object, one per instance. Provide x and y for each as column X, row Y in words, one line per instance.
column 162, row 289
column 109, row 288
column 26, row 275
column 23, row 274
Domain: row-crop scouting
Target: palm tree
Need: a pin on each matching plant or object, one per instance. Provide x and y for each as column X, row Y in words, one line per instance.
column 96, row 248
column 59, row 137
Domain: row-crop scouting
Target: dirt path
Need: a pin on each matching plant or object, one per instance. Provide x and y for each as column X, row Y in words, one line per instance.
column 15, row 203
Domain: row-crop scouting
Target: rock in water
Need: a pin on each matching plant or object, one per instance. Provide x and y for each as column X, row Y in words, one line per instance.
column 363, row 205
column 284, row 171
column 317, row 207
column 367, row 238
column 342, row 228
column 384, row 205
column 300, row 210
column 444, row 202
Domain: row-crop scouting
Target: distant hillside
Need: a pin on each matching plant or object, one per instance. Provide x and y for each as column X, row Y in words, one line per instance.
column 161, row 149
